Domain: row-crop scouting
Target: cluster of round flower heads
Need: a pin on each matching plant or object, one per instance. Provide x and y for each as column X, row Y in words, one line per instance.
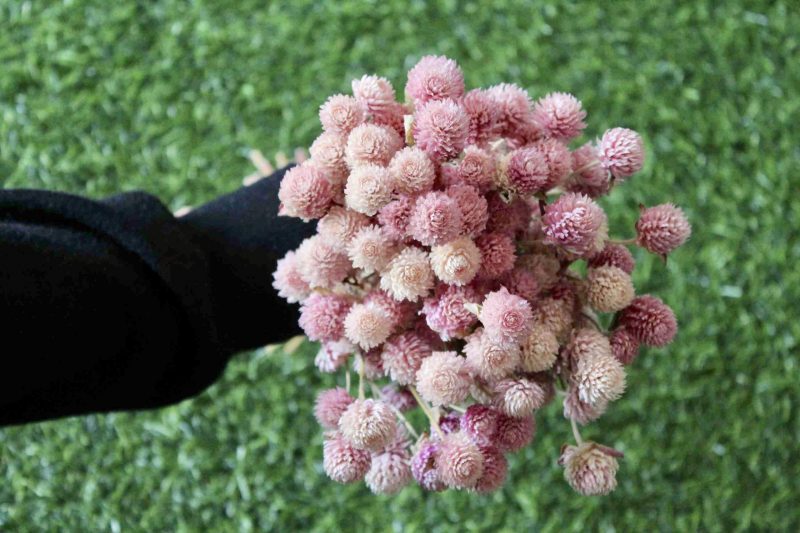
column 463, row 266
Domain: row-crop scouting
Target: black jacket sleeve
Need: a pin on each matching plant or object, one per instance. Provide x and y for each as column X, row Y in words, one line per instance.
column 116, row 304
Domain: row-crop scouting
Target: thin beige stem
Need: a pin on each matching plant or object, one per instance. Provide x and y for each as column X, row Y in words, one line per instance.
column 347, row 380
column 424, row 406
column 361, row 380
column 575, row 432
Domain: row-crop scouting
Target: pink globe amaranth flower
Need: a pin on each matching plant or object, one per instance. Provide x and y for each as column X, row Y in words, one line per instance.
column 559, row 115
column 650, row 321
column 322, row 316
column 588, row 175
column 288, row 281
column 340, row 114
column 435, row 78
column 580, row 411
column 333, row 355
column 423, row 466
column 327, row 154
column 456, row 262
column 473, row 207
column 370, row 250
column 609, row 289
column 495, row 469
column 506, row 317
column 528, row 171
column 436, row 219
column 412, row 171
column 368, row 188
column 590, row 469
column 555, row 314
column 559, row 160
column 375, row 93
column 401, row 313
column 621, row 152
column 662, row 228
column 400, row 399
column 460, row 461
column 624, row 346
column 600, row 378
column 389, row 473
column 507, row 217
column 330, row 405
column 514, row 433
column 476, row 168
column 586, row 342
column 443, row 379
column 514, row 108
column 519, row 397
column 576, row 223
column 367, row 325
column 539, row 350
column 441, row 129
column 445, row 312
column 305, row 192
column 321, row 263
column 341, row 224
column 522, row 283
column 343, row 462
column 483, row 116
column 393, row 118
column 403, row 354
column 450, row 423
column 370, row 144
column 479, row 422
column 394, row 216
column 409, row 275
column 615, row 255
column 497, row 254
column 368, row 424
column 491, row 358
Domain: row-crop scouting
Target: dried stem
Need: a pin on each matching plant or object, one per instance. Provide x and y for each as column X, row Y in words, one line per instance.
column 424, row 406
column 347, row 380
column 575, row 432
column 361, row 370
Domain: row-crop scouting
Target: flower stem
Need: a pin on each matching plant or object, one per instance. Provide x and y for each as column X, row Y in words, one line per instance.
column 424, row 406
column 575, row 432
column 457, row 408
column 347, row 380
column 361, row 370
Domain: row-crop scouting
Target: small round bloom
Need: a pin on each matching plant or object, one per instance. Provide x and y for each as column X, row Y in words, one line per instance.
column 586, row 342
column 559, row 115
column 576, row 223
column 615, row 255
column 394, row 216
column 497, row 254
column 600, row 378
column 495, row 469
column 375, row 93
column 327, row 153
column 322, row 316
column 368, row 424
column 528, row 171
column 370, row 144
column 409, row 275
column 368, row 188
column 340, row 114
column 609, row 289
column 341, row 224
column 450, row 422
column 321, row 263
column 588, row 175
column 580, row 411
column 590, row 469
column 343, row 462
column 539, row 350
column 412, row 171
column 514, row 433
column 389, row 473
column 401, row 313
column 624, row 346
column 305, row 192
column 483, row 115
column 491, row 358
column 288, row 281
column 333, row 355
column 460, row 461
column 367, row 325
column 443, row 379
column 473, row 206
column 514, row 108
column 621, row 152
column 436, row 219
column 423, row 466
column 441, row 129
column 403, row 355
column 506, row 317
column 554, row 314
column 559, row 160
column 445, row 312
column 650, row 321
column 435, row 78
column 480, row 423
column 370, row 250
column 519, row 397
column 521, row 282
column 662, row 228
column 456, row 262
column 476, row 168
column 330, row 405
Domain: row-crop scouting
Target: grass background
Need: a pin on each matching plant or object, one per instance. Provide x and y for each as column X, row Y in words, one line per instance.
column 167, row 96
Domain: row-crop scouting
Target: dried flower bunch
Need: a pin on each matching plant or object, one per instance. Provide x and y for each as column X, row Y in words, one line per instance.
column 443, row 273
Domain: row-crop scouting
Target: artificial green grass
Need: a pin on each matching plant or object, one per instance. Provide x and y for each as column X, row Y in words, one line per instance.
column 98, row 97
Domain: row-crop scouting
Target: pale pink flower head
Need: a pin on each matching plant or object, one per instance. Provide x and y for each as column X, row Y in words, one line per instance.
column 389, row 472
column 412, row 171
column 435, row 78
column 440, row 129
column 456, row 262
column 473, row 206
column 460, row 461
column 559, row 115
column 340, row 225
column 327, row 154
column 436, row 219
column 370, row 250
column 445, row 313
column 401, row 313
column 586, row 342
column 409, row 275
column 497, row 254
column 662, row 228
column 476, row 168
column 321, row 263
column 368, row 424
column 305, row 192
column 600, row 378
column 375, row 93
column 615, row 255
column 588, row 175
column 370, row 144
column 343, row 462
column 483, row 115
column 480, row 423
column 491, row 358
column 340, row 114
column 609, row 289
column 590, row 469
column 330, row 405
column 519, row 397
column 423, row 466
column 624, row 346
column 539, row 350
column 443, row 379
column 288, row 281
column 514, row 433
column 621, row 152
column 521, row 282
column 367, row 325
column 514, row 108
column 369, row 188
column 394, row 216
column 506, row 317
column 576, row 223
column 333, row 355
column 495, row 469
column 322, row 316
column 580, row 411
column 528, row 171
column 650, row 321
column 403, row 354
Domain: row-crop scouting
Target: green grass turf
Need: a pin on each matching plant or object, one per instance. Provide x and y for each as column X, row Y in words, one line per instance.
column 98, row 97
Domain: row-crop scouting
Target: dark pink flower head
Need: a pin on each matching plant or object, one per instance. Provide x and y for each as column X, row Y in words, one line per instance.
column 495, row 469
column 505, row 316
column 423, row 466
column 322, row 316
column 621, row 152
column 394, row 217
column 514, row 108
column 445, row 313
column 662, row 228
column 288, row 281
column 649, row 320
column 450, row 423
column 330, row 405
column 614, row 255
column 343, row 462
column 435, row 78
column 436, row 219
column 528, row 171
column 497, row 254
column 305, row 192
column 514, row 433
column 588, row 175
column 441, row 128
column 412, row 171
column 375, row 93
column 476, row 168
column 340, row 114
column 402, row 356
column 559, row 115
column 507, row 217
column 460, row 462
column 576, row 223
column 522, row 282
column 370, row 144
column 480, row 423
column 624, row 346
column 483, row 116
column 559, row 160
column 473, row 206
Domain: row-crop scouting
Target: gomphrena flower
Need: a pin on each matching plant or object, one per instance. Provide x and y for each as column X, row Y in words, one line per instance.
column 615, row 255
column 322, row 263
column 389, row 472
column 423, row 466
column 497, row 254
column 491, row 358
column 621, row 152
column 624, row 346
column 495, row 469
column 375, row 93
column 514, row 108
column 441, row 128
column 368, row 188
column 340, row 114
column 412, row 171
column 586, row 342
column 559, row 115
column 519, row 397
column 456, row 262
column 580, row 411
column 539, row 350
column 506, row 317
column 370, row 250
column 288, row 281
column 479, row 422
column 333, row 355
column 521, row 282
column 399, row 398
column 445, row 312
column 473, row 206
column 409, row 275
column 330, row 405
column 401, row 313
column 662, row 228
column 650, row 321
column 322, row 316
column 436, row 219
column 514, row 433
column 505, row 216
column 609, row 289
column 483, row 116
column 528, row 171
column 343, row 462
column 340, row 225
column 590, row 469
column 559, row 160
column 305, row 192
column 576, row 223
column 394, row 216
column 460, row 461
column 476, row 168
column 443, row 378
column 370, row 144
column 403, row 354
column 367, row 325
column 327, row 154
column 600, row 378
column 368, row 424
column 435, row 78
column 588, row 175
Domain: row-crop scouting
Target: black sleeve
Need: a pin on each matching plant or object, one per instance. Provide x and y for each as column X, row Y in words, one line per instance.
column 116, row 304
